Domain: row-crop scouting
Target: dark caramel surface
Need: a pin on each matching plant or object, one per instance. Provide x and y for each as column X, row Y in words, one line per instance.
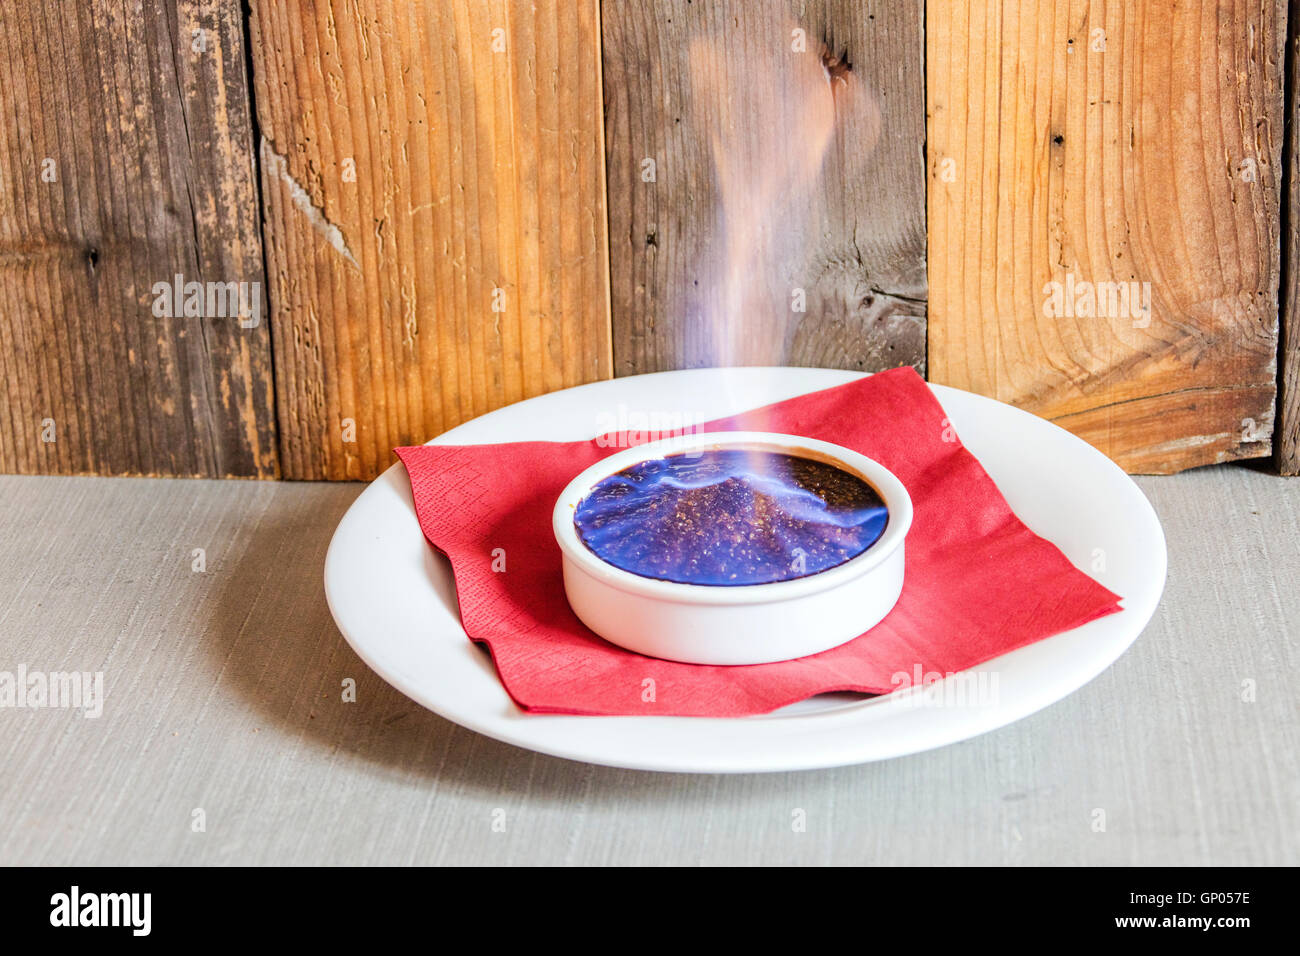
column 730, row 517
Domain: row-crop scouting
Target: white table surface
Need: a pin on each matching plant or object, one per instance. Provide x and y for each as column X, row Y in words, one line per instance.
column 224, row 694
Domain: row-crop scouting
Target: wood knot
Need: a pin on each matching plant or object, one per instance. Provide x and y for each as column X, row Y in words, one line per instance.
column 836, row 65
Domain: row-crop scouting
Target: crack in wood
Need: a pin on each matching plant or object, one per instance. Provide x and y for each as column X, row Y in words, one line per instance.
column 277, row 167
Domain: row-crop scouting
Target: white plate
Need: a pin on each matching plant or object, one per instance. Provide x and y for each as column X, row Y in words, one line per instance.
column 395, row 602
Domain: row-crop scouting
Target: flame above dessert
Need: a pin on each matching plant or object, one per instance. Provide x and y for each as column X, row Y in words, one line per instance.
column 730, row 517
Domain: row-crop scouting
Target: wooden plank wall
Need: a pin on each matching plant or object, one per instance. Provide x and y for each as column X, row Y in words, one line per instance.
column 1287, row 432
column 1081, row 143
column 125, row 161
column 435, row 217
column 705, row 261
column 417, row 214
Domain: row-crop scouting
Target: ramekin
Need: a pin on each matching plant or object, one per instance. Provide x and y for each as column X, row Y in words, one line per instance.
column 743, row 624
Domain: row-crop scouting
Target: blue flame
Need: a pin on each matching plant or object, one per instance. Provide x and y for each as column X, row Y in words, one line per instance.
column 730, row 517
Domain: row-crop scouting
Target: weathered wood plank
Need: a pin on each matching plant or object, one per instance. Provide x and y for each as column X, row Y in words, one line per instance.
column 126, row 161
column 1287, row 434
column 435, row 219
column 712, row 247
column 1080, row 150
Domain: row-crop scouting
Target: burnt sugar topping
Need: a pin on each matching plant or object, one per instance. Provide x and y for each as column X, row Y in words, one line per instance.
column 730, row 517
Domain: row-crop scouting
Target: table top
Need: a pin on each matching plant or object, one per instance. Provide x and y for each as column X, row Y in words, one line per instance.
column 225, row 736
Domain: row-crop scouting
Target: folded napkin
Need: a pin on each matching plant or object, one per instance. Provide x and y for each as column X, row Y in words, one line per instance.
column 978, row 582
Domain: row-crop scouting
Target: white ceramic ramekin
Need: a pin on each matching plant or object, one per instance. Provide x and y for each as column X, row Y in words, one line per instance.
column 745, row 624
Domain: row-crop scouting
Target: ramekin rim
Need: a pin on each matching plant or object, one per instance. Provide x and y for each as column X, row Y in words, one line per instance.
column 890, row 488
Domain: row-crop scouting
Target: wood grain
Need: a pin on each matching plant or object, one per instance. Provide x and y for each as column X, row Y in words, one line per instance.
column 705, row 260
column 1084, row 143
column 422, row 165
column 1287, row 433
column 125, row 161
column 224, row 692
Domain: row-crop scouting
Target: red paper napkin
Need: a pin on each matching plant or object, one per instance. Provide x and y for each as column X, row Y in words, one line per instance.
column 978, row 582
